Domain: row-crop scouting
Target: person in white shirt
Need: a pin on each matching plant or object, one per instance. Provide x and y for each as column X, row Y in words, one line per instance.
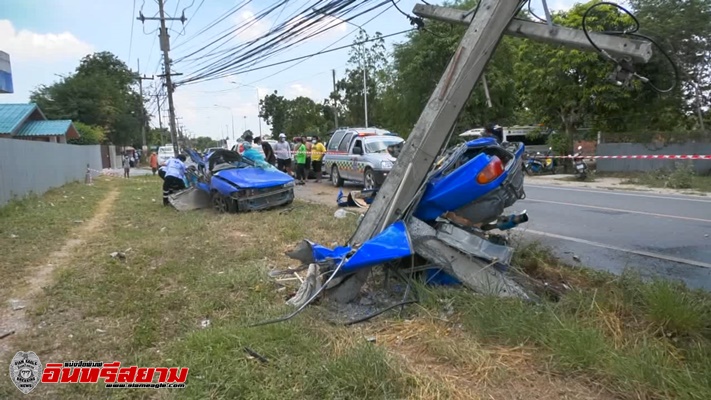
column 174, row 177
column 283, row 154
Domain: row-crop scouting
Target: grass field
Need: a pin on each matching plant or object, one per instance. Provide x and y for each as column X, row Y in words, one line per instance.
column 608, row 337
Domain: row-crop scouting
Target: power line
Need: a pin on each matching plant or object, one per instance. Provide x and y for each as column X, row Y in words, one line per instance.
column 227, row 65
column 188, row 81
column 133, row 22
column 325, row 48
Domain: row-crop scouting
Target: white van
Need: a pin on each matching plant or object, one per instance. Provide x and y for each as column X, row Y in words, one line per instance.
column 165, row 153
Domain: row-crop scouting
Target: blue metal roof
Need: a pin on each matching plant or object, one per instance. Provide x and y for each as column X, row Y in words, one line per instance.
column 45, row 128
column 12, row 115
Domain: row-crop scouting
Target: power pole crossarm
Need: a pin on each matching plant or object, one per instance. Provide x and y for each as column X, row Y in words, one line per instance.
column 638, row 50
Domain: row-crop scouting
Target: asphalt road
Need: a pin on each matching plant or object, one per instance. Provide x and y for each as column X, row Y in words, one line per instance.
column 658, row 235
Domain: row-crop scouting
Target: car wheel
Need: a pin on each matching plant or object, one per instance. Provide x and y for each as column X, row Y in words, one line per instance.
column 336, row 179
column 219, row 203
column 368, row 179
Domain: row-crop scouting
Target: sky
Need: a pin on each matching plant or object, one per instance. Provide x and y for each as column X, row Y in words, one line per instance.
column 47, row 38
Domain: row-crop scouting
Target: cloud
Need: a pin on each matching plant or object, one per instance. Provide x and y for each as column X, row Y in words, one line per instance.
column 24, row 45
column 326, row 26
column 249, row 28
column 298, row 89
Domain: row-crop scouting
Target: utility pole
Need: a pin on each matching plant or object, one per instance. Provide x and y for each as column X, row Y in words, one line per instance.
column 165, row 47
column 487, row 23
column 143, row 114
column 160, row 121
column 335, row 104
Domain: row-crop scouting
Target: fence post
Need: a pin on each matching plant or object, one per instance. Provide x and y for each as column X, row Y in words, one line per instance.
column 88, row 179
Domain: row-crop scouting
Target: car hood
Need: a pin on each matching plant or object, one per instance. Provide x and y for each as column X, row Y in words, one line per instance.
column 254, row 178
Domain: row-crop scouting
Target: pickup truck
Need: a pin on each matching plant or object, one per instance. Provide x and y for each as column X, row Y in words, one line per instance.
column 363, row 155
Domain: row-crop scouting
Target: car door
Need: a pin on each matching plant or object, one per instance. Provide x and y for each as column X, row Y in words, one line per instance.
column 331, row 158
column 345, row 162
column 355, row 159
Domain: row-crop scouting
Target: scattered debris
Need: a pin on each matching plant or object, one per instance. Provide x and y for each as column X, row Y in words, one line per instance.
column 6, row 334
column 162, row 229
column 310, row 286
column 370, row 339
column 78, row 221
column 576, row 258
column 253, row 354
column 204, row 323
column 100, row 330
column 118, row 254
column 153, row 200
column 17, row 305
column 51, row 204
column 340, row 213
column 13, row 236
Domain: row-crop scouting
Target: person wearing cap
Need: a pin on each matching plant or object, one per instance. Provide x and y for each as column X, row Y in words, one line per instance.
column 174, row 177
column 283, row 154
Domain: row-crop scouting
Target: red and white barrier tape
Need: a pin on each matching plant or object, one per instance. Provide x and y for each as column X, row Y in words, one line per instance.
column 645, row 156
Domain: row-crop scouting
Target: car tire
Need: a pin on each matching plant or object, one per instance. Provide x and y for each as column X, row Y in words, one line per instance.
column 368, row 179
column 219, row 203
column 336, row 179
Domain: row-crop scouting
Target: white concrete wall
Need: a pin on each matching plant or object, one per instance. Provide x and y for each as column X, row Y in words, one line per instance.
column 34, row 167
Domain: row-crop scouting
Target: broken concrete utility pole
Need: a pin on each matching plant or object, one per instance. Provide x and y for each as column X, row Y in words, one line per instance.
column 492, row 19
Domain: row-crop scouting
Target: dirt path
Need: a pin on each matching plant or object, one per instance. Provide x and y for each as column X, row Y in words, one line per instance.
column 13, row 317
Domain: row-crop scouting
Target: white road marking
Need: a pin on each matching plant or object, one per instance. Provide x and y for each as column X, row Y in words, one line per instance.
column 609, row 247
column 616, row 193
column 618, row 210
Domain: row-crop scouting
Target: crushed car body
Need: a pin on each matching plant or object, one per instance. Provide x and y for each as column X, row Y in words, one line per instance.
column 449, row 224
column 229, row 182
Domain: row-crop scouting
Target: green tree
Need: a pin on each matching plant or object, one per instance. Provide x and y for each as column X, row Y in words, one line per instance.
column 204, row 142
column 685, row 27
column 87, row 134
column 418, row 65
column 274, row 109
column 100, row 93
column 369, row 58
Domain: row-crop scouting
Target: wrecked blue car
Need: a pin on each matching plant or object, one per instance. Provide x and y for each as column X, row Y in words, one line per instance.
column 234, row 183
column 449, row 227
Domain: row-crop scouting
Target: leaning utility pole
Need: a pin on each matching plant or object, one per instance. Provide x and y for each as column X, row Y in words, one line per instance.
column 143, row 111
column 487, row 23
column 165, row 47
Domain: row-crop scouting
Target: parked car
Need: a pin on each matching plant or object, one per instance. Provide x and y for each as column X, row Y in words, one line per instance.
column 363, row 155
column 165, row 153
column 237, row 184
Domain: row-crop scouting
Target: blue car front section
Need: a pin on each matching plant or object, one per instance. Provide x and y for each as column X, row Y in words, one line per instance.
column 454, row 187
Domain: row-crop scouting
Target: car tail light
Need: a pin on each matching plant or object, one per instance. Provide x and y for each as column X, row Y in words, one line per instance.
column 491, row 171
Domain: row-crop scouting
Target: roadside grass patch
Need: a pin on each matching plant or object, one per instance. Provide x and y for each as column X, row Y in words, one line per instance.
column 34, row 227
column 638, row 339
column 682, row 176
column 192, row 283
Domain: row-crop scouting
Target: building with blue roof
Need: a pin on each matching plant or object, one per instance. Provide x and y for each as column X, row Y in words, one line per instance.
column 27, row 122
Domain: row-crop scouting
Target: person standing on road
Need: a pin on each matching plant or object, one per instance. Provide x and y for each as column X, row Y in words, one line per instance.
column 154, row 162
column 174, row 177
column 283, row 154
column 318, row 150
column 301, row 161
column 267, row 149
column 126, row 162
column 308, row 156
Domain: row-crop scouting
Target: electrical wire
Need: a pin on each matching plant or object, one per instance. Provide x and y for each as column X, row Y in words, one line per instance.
column 297, row 58
column 133, row 22
column 629, row 32
column 229, row 66
column 325, row 48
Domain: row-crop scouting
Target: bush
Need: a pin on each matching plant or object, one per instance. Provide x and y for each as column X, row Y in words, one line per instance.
column 88, row 134
column 681, row 177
